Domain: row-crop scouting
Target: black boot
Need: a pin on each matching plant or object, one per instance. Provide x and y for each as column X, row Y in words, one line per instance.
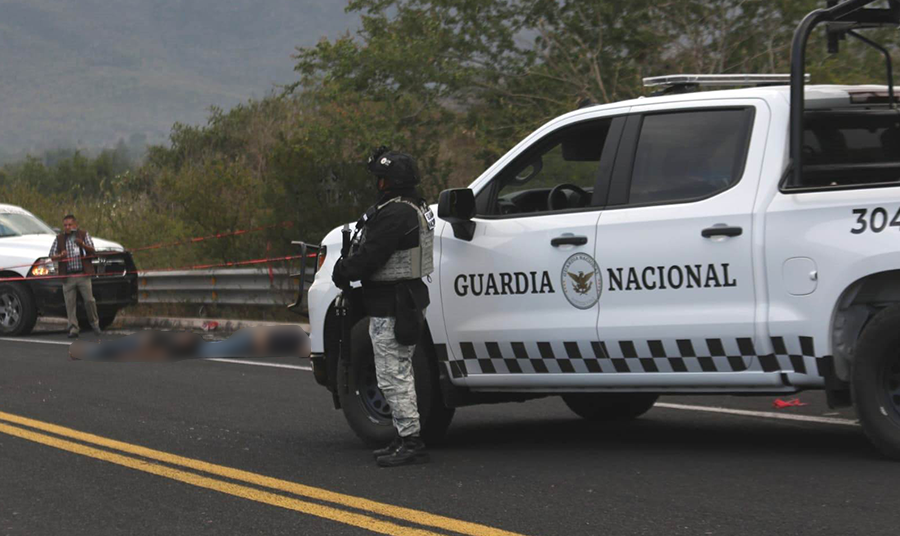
column 412, row 450
column 384, row 451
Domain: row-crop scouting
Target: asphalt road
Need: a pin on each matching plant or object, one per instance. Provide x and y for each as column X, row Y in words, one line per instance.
column 286, row 463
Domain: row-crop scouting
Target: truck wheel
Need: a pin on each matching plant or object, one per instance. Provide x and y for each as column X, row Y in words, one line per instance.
column 364, row 406
column 610, row 406
column 18, row 313
column 876, row 381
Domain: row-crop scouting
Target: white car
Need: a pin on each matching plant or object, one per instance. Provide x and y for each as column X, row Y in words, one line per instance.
column 25, row 243
column 661, row 245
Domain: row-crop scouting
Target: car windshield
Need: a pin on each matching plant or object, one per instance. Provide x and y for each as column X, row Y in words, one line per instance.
column 18, row 224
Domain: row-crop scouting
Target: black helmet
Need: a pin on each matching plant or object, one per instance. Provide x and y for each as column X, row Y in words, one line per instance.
column 397, row 169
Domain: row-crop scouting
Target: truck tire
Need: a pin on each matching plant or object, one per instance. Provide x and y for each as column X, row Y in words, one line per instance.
column 875, row 382
column 18, row 312
column 365, row 408
column 610, row 406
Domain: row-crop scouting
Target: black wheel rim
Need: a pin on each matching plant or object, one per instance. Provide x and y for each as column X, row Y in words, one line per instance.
column 892, row 385
column 372, row 397
column 10, row 311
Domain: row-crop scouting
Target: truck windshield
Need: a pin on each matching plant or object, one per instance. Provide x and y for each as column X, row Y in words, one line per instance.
column 18, row 224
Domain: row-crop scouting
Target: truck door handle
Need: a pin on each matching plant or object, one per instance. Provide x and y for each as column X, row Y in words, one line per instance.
column 568, row 240
column 721, row 230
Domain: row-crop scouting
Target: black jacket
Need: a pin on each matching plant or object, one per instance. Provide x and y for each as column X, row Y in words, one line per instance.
column 394, row 227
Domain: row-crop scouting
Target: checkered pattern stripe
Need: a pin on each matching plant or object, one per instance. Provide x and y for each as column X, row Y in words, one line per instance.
column 649, row 356
column 73, row 252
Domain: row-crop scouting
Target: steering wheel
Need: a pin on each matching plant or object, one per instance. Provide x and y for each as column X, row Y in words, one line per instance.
column 557, row 200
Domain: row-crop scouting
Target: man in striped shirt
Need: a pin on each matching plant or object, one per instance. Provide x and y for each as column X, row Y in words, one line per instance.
column 70, row 249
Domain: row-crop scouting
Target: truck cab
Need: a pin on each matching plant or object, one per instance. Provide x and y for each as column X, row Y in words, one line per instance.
column 662, row 245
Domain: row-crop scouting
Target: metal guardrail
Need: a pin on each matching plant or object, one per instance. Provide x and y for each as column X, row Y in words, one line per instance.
column 240, row 286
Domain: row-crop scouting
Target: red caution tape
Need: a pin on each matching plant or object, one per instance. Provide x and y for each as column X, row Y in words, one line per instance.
column 781, row 404
column 161, row 245
column 284, row 224
column 84, row 258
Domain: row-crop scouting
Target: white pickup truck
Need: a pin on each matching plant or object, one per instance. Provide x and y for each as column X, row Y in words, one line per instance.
column 30, row 286
column 657, row 246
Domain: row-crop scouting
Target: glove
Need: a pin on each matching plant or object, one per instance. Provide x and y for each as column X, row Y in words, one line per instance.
column 338, row 277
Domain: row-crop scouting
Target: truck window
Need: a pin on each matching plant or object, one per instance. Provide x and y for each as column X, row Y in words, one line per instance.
column 685, row 156
column 569, row 156
column 21, row 224
column 850, row 148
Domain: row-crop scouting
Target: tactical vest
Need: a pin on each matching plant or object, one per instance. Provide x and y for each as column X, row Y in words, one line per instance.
column 413, row 263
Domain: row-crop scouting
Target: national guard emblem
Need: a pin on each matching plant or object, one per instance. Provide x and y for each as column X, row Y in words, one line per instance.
column 581, row 281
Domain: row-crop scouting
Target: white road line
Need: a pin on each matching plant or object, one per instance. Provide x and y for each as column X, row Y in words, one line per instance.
column 256, row 363
column 763, row 414
column 34, row 340
column 666, row 405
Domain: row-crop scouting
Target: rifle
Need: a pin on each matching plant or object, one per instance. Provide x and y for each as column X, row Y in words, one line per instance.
column 342, row 310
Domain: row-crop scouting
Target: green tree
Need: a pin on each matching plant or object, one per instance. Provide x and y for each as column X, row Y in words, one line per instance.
column 454, row 82
column 490, row 71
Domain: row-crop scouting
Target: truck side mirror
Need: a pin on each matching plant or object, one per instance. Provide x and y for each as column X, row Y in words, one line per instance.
column 457, row 206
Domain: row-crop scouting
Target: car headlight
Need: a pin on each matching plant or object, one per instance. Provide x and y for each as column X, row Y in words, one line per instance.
column 43, row 267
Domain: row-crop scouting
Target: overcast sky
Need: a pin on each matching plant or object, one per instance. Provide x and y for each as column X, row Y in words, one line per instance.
column 88, row 72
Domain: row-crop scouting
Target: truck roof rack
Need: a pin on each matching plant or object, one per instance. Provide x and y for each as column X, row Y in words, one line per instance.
column 841, row 20
column 684, row 83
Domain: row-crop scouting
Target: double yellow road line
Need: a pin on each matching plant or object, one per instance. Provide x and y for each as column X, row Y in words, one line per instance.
column 347, row 509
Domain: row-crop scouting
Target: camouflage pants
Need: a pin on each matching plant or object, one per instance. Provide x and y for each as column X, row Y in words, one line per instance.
column 394, row 371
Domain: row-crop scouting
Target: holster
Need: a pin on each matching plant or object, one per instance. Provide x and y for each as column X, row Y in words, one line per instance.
column 410, row 316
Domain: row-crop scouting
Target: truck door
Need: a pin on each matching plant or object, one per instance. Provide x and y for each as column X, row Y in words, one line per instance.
column 520, row 298
column 675, row 241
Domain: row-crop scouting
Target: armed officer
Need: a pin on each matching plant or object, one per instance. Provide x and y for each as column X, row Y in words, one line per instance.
column 391, row 254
